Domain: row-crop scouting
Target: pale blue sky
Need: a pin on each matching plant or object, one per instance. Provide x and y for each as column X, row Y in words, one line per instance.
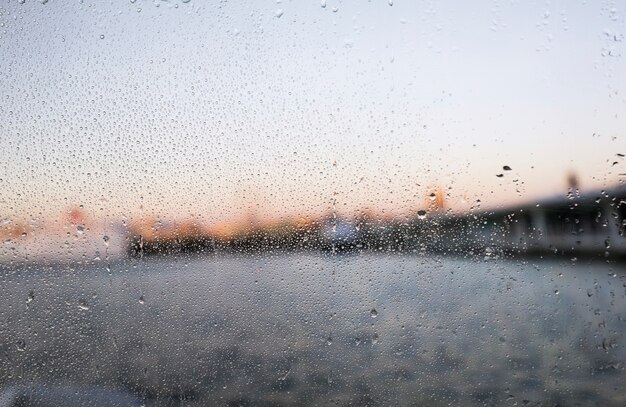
column 213, row 107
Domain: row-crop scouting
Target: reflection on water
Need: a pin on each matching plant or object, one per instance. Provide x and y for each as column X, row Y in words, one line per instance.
column 358, row 329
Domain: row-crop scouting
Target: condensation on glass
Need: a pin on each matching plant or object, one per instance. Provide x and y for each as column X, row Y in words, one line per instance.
column 312, row 203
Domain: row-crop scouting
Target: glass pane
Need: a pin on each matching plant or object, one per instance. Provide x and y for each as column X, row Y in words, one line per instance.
column 312, row 203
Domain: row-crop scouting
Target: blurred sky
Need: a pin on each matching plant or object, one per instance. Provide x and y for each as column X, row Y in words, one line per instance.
column 218, row 109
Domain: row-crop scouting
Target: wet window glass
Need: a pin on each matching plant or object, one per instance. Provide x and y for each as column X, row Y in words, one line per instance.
column 326, row 202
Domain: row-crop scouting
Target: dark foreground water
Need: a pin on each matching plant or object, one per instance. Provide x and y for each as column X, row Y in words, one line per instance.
column 319, row 330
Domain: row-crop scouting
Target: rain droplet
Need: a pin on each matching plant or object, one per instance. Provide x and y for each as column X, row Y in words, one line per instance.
column 506, row 168
column 82, row 305
column 323, row 3
column 21, row 345
column 101, row 36
column 499, row 175
column 373, row 313
column 31, row 297
column 279, row 13
column 390, row 2
column 142, row 300
column 421, row 214
column 80, row 229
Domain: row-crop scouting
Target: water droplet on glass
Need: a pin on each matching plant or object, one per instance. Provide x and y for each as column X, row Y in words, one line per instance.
column 373, row 313
column 506, row 168
column 21, row 345
column 31, row 297
column 421, row 214
column 101, row 36
column 279, row 13
column 323, row 3
column 142, row 300
column 82, row 305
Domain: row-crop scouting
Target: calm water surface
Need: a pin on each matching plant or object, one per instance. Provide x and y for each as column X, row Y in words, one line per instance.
column 293, row 329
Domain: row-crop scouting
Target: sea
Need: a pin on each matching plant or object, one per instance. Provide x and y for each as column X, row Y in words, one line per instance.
column 279, row 329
